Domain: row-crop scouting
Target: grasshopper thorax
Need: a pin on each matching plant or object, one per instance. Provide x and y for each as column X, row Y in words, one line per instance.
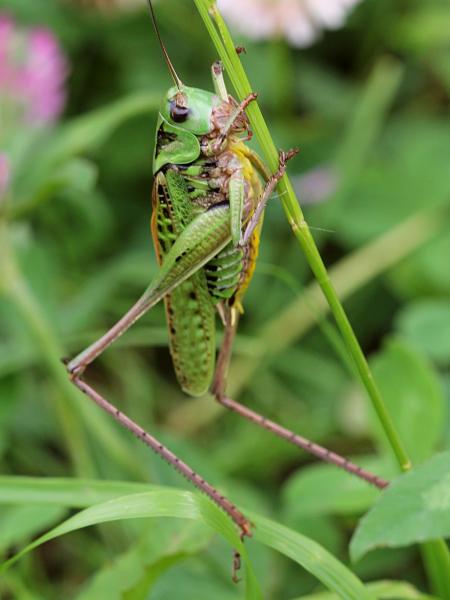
column 189, row 108
column 193, row 122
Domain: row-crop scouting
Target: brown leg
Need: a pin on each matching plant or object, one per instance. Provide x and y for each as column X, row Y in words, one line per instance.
column 236, row 113
column 230, row 318
column 324, row 454
column 223, row 502
column 76, row 368
column 269, row 188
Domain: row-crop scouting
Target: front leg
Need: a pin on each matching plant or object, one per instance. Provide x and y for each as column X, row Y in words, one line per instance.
column 189, row 253
column 202, row 239
column 236, row 515
column 269, row 188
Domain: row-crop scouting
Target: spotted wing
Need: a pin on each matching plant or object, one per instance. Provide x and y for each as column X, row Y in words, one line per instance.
column 189, row 308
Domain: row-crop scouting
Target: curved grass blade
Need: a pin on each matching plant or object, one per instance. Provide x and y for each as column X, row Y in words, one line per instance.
column 163, row 502
column 313, row 557
column 65, row 491
column 158, row 503
column 389, row 590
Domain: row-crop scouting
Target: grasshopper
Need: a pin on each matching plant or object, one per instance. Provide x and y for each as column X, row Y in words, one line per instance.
column 209, row 194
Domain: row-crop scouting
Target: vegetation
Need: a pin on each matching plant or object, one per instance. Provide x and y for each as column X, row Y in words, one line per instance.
column 367, row 105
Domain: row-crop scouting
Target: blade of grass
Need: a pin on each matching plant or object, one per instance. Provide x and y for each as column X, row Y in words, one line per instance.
column 226, row 48
column 435, row 556
column 62, row 491
column 165, row 502
column 400, row 590
column 83, row 134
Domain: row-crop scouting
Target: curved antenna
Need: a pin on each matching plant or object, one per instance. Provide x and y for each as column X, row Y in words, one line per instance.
column 172, row 71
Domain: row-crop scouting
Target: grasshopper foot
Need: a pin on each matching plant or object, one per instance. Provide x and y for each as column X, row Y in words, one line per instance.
column 236, row 567
column 74, row 370
column 245, row 532
column 283, row 158
column 271, row 184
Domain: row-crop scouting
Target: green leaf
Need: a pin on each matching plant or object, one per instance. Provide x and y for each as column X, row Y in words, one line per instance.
column 132, row 575
column 180, row 504
column 45, row 154
column 76, row 493
column 158, row 503
column 426, row 271
column 209, row 3
column 401, row 180
column 88, row 132
column 414, row 508
column 308, row 491
column 315, row 559
column 76, row 176
column 192, row 581
column 424, row 29
column 414, row 397
column 20, row 523
column 391, row 590
column 426, row 323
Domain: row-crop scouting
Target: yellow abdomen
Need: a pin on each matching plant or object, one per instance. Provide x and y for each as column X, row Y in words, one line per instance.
column 254, row 191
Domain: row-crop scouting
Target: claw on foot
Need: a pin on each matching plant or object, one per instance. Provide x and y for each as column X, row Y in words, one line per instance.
column 283, row 156
column 245, row 532
column 74, row 371
column 247, row 100
column 236, row 567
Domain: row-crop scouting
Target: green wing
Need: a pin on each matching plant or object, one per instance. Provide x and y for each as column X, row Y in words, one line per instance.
column 189, row 308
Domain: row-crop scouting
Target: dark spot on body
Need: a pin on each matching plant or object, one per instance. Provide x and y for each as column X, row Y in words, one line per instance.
column 178, row 113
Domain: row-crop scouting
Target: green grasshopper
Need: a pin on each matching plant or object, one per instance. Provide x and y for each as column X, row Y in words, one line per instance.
column 209, row 194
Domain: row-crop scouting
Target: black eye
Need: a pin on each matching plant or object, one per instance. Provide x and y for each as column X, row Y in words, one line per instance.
column 178, row 113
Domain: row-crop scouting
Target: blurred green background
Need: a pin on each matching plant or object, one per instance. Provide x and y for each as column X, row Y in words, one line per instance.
column 368, row 106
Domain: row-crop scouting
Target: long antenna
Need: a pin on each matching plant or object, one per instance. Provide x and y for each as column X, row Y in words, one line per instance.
column 172, row 71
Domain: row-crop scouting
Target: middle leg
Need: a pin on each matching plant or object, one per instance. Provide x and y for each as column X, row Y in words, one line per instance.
column 269, row 188
column 230, row 317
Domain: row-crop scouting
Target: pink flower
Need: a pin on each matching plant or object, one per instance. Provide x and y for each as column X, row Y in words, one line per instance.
column 299, row 21
column 4, row 174
column 316, row 185
column 32, row 74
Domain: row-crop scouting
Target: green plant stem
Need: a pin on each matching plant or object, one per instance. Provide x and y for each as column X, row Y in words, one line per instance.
column 436, row 557
column 303, row 234
column 226, row 49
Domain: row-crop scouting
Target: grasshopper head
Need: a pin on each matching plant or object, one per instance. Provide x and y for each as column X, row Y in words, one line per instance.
column 189, row 108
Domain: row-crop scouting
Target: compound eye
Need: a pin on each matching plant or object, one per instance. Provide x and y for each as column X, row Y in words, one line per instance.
column 178, row 113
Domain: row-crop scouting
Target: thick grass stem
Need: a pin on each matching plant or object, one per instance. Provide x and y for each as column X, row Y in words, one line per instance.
column 437, row 553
